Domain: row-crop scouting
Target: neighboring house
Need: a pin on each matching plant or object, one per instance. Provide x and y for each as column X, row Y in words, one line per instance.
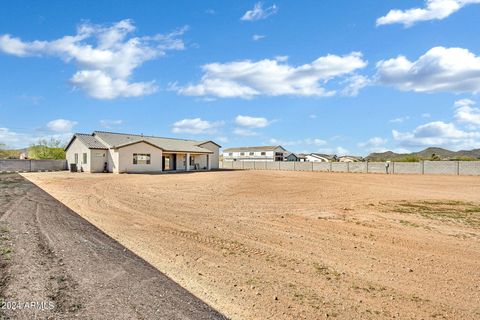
column 263, row 153
column 350, row 159
column 119, row 153
column 299, row 157
column 318, row 157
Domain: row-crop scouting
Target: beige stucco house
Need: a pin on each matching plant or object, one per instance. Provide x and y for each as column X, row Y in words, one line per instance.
column 122, row 153
column 261, row 153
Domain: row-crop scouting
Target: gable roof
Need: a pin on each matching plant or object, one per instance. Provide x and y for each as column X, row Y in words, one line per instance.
column 321, row 155
column 259, row 148
column 119, row 140
column 88, row 140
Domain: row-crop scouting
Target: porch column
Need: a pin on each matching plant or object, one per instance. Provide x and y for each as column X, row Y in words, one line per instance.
column 187, row 162
column 208, row 162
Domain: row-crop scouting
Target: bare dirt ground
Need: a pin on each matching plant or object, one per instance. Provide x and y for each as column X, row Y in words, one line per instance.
column 56, row 265
column 292, row 245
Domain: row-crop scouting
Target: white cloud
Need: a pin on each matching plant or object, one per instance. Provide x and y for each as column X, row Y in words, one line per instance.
column 61, row 125
column 251, row 122
column 399, row 119
column 354, row 85
column 257, row 37
column 100, row 85
column 438, row 133
column 439, row 70
column 108, row 124
column 466, row 113
column 307, row 141
column 374, row 142
column 426, row 115
column 259, row 13
column 196, row 126
column 247, row 79
column 106, row 56
column 433, row 10
column 10, row 138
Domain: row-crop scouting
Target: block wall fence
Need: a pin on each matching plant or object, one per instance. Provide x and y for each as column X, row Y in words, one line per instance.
column 14, row 165
column 423, row 167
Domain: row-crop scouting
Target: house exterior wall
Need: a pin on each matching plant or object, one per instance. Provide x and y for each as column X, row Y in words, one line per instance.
column 311, row 158
column 215, row 157
column 257, row 155
column 125, row 158
column 98, row 157
column 77, row 147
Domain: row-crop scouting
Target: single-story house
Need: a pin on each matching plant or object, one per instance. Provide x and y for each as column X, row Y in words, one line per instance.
column 350, row 159
column 299, row 157
column 121, row 153
column 261, row 153
column 319, row 157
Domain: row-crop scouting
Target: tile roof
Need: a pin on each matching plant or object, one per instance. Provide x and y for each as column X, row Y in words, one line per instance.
column 116, row 140
column 89, row 140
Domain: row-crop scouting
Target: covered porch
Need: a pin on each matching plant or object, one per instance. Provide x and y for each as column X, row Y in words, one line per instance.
column 180, row 161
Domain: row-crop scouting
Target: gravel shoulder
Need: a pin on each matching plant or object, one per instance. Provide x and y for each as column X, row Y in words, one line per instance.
column 72, row 270
column 296, row 245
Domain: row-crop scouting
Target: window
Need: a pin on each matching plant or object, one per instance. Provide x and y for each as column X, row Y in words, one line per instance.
column 141, row 158
column 230, row 154
column 263, row 153
column 251, row 153
column 242, row 153
column 100, row 154
column 76, row 157
column 85, row 158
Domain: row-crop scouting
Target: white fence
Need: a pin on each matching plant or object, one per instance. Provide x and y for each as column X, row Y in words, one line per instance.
column 423, row 167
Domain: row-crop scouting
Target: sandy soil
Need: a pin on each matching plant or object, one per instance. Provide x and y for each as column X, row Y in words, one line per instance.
column 70, row 269
column 292, row 245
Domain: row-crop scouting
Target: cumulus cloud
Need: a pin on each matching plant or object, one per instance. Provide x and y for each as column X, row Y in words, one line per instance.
column 106, row 56
column 438, row 133
column 466, row 113
column 251, row 122
column 196, row 126
column 11, row 138
column 433, row 10
column 247, row 79
column 61, row 125
column 259, row 13
column 438, row 70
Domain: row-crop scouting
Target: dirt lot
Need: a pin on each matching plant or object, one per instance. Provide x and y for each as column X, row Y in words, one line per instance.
column 290, row 245
column 71, row 270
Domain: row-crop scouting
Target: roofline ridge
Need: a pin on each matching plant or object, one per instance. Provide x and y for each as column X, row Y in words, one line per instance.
column 148, row 136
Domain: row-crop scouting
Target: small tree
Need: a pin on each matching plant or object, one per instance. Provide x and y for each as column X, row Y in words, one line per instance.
column 47, row 149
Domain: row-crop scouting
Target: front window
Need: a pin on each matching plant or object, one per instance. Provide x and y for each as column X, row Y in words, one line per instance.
column 242, row 153
column 192, row 160
column 141, row 158
column 251, row 153
column 263, row 153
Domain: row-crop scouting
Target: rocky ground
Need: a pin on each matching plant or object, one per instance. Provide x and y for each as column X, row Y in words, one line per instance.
column 293, row 245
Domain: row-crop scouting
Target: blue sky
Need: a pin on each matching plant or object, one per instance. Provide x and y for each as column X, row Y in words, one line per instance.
column 338, row 76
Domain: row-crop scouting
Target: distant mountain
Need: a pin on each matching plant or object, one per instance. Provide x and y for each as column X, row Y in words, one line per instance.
column 427, row 154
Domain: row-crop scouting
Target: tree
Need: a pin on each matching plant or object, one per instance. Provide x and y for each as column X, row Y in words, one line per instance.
column 45, row 149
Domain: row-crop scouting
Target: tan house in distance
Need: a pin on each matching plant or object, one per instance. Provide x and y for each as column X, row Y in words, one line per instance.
column 122, row 153
column 261, row 153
